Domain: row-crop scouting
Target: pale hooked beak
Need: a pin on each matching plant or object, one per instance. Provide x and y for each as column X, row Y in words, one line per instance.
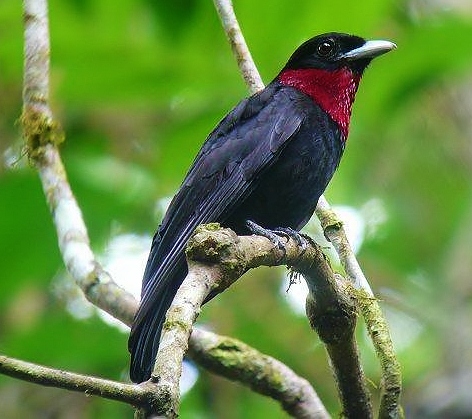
column 370, row 49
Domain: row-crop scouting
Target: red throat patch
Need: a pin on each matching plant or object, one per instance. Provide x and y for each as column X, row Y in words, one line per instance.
column 334, row 91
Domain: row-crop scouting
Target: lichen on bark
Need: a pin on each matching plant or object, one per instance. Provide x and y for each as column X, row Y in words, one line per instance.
column 38, row 131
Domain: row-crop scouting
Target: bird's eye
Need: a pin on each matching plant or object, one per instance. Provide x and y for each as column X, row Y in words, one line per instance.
column 326, row 48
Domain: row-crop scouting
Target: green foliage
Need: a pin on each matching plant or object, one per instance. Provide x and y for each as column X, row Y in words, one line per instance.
column 137, row 87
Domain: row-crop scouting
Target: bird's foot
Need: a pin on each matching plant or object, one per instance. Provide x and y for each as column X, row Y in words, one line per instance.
column 273, row 235
column 298, row 237
column 276, row 234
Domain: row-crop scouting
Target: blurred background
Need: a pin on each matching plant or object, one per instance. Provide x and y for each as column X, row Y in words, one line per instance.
column 137, row 86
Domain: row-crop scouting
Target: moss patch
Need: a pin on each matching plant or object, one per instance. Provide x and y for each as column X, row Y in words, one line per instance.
column 38, row 131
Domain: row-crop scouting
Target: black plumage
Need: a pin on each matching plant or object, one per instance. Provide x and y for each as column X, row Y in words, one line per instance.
column 267, row 161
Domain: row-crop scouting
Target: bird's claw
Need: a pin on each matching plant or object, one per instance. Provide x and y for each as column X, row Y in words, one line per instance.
column 273, row 235
column 298, row 237
column 276, row 234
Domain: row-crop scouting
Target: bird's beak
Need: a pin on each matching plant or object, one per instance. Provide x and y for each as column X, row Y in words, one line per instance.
column 370, row 49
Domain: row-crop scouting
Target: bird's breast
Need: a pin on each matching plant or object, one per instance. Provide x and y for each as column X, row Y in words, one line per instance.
column 287, row 192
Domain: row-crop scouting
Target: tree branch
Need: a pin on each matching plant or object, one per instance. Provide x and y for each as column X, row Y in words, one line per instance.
column 391, row 377
column 216, row 259
column 27, row 371
column 237, row 361
column 230, row 257
column 335, row 233
column 332, row 313
column 42, row 135
column 241, row 52
column 377, row 327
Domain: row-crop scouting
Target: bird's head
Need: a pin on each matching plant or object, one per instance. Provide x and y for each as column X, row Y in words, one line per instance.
column 328, row 68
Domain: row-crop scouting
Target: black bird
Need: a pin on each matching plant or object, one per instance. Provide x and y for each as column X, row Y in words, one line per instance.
column 265, row 164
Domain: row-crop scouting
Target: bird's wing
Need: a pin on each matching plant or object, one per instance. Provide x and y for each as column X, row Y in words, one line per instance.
column 245, row 143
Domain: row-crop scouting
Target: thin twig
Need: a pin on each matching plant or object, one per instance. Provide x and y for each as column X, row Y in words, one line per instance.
column 36, row 60
column 238, row 45
column 335, row 233
column 391, row 377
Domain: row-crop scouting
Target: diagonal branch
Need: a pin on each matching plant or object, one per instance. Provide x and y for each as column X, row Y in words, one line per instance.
column 335, row 233
column 377, row 327
column 222, row 355
column 241, row 52
column 42, row 134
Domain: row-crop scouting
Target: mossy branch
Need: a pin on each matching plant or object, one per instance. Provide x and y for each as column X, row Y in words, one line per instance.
column 332, row 313
column 237, row 361
column 42, row 135
column 216, row 259
column 391, row 377
column 128, row 393
column 377, row 327
column 334, row 231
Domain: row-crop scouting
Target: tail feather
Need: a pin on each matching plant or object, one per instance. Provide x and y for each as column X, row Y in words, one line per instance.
column 145, row 334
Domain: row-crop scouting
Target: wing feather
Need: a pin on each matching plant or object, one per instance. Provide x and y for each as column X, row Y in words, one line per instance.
column 224, row 173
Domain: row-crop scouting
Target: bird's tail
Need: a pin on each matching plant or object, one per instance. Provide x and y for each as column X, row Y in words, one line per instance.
column 145, row 334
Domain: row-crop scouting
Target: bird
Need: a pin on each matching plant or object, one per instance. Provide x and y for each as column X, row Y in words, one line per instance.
column 261, row 170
